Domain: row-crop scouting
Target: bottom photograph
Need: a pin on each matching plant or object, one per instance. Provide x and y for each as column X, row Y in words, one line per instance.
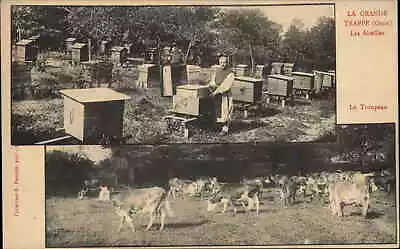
column 224, row 194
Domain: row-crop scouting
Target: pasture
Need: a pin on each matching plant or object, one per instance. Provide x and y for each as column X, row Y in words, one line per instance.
column 71, row 223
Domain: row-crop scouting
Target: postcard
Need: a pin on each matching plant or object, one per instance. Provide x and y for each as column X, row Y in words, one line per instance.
column 199, row 124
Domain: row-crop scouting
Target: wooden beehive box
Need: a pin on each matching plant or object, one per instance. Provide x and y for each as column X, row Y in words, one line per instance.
column 247, row 89
column 149, row 76
column 280, row 85
column 36, row 40
column 91, row 112
column 288, row 69
column 118, row 55
column 328, row 80
column 105, row 48
column 193, row 74
column 68, row 44
column 303, row 81
column 189, row 99
column 98, row 71
column 276, row 68
column 334, row 77
column 80, row 53
column 260, row 71
column 26, row 51
column 241, row 70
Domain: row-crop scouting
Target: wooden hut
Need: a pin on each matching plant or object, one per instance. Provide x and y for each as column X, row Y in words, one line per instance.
column 247, row 89
column 280, row 87
column 26, row 51
column 119, row 55
column 303, row 83
column 93, row 113
column 80, row 53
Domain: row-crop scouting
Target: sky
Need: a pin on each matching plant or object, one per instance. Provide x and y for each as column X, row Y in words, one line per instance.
column 285, row 14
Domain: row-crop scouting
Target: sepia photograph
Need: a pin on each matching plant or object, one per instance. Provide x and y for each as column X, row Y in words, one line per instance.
column 333, row 193
column 117, row 75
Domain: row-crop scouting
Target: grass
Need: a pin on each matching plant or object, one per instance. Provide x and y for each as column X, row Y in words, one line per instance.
column 72, row 223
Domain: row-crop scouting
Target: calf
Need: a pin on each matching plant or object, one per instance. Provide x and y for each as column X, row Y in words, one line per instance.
column 152, row 201
column 288, row 189
column 227, row 194
column 342, row 194
column 257, row 183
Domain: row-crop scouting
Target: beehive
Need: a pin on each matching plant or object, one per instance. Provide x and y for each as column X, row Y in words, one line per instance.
column 303, row 81
column 80, row 53
column 280, row 85
column 105, row 48
column 191, row 99
column 288, row 69
column 323, row 80
column 151, row 56
column 129, row 49
column 68, row 44
column 26, row 51
column 247, row 89
column 260, row 72
column 36, row 40
column 149, row 76
column 193, row 74
column 276, row 68
column 98, row 71
column 90, row 113
column 241, row 70
column 334, row 77
column 118, row 55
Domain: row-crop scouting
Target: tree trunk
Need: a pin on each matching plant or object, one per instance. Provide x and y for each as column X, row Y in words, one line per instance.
column 90, row 49
column 187, row 52
column 251, row 59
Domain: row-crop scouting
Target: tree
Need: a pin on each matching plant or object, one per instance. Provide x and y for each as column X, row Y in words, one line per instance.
column 246, row 29
column 321, row 43
column 294, row 43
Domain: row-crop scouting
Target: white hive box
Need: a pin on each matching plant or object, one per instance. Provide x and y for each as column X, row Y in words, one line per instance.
column 90, row 112
column 187, row 99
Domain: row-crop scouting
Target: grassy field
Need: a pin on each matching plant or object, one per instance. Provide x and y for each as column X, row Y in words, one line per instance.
column 72, row 223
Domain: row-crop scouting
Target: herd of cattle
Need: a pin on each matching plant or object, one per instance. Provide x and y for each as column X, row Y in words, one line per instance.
column 339, row 189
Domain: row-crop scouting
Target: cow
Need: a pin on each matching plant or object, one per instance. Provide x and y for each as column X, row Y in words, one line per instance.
column 257, row 182
column 317, row 186
column 226, row 194
column 342, row 194
column 288, row 188
column 184, row 187
column 152, row 201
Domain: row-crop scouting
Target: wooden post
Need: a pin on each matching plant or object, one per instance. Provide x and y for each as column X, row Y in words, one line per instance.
column 90, row 49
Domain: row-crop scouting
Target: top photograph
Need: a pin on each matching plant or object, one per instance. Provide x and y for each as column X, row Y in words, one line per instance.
column 115, row 75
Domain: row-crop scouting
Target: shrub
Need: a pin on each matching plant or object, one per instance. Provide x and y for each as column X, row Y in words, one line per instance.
column 65, row 172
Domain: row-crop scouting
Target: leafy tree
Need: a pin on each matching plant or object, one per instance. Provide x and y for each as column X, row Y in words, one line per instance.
column 65, row 172
column 246, row 29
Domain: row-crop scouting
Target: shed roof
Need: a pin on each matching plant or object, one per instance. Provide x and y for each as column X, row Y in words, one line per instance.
column 24, row 42
column 90, row 95
column 78, row 45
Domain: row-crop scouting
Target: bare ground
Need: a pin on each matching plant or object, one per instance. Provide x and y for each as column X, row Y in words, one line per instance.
column 71, row 223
